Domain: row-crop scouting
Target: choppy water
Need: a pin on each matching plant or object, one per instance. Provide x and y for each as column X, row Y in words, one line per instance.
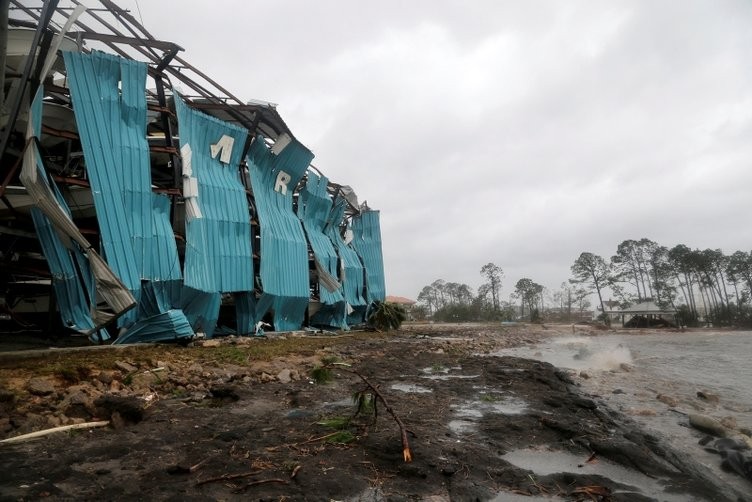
column 629, row 372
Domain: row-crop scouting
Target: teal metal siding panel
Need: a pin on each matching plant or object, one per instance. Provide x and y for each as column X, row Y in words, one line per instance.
column 74, row 293
column 218, row 255
column 284, row 252
column 367, row 242
column 109, row 99
column 353, row 279
column 164, row 264
column 93, row 80
column 314, row 208
column 201, row 309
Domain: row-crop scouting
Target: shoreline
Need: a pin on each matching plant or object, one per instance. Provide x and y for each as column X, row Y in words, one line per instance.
column 247, row 401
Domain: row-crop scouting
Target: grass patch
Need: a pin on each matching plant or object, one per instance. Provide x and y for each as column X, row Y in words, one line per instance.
column 321, row 375
column 334, row 422
column 231, row 354
column 341, row 437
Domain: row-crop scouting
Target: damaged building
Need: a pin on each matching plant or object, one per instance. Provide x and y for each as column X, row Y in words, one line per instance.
column 142, row 201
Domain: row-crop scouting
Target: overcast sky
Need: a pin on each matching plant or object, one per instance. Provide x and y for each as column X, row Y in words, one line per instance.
column 520, row 133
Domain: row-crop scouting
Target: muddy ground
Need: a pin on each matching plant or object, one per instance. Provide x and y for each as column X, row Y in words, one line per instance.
column 243, row 419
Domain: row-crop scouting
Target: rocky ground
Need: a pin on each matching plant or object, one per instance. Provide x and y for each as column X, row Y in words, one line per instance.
column 272, row 419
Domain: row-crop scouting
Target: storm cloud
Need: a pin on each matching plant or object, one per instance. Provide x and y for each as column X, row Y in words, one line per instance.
column 519, row 133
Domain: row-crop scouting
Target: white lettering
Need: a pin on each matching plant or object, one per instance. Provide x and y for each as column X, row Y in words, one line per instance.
column 186, row 153
column 281, row 184
column 223, row 148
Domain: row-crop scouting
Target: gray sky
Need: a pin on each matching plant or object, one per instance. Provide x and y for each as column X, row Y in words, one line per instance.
column 520, row 133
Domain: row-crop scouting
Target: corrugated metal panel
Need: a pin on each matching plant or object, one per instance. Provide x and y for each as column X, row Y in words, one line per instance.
column 284, row 252
column 201, row 309
column 165, row 265
column 75, row 294
column 367, row 242
column 73, row 301
column 108, row 95
column 157, row 322
column 245, row 313
column 352, row 275
column 118, row 170
column 109, row 286
column 314, row 207
column 218, row 255
column 165, row 327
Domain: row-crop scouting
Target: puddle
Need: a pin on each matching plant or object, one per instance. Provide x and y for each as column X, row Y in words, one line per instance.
column 468, row 411
column 462, row 426
column 442, row 373
column 411, row 388
column 447, row 377
column 545, row 462
column 509, row 407
column 503, row 406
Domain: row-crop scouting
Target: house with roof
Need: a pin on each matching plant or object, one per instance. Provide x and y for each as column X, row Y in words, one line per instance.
column 645, row 314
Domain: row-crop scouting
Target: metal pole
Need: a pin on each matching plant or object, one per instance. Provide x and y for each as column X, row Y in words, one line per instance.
column 4, row 7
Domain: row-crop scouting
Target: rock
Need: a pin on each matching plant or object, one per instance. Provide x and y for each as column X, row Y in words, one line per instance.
column 77, row 404
column 125, row 367
column 144, row 380
column 266, row 377
column 224, row 392
column 5, row 425
column 40, row 387
column 617, row 391
column 745, row 439
column 584, row 375
column 284, row 376
column 54, row 421
column 625, row 367
column 210, row 343
column 668, row 400
column 195, row 368
column 129, row 409
column 7, row 396
column 107, row 376
column 706, row 424
column 642, row 412
column 729, row 422
column 707, row 396
column 32, row 422
column 116, row 421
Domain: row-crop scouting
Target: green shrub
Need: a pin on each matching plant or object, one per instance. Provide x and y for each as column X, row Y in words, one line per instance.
column 385, row 316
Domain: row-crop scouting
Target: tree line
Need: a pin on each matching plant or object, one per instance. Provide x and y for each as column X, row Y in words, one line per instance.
column 704, row 286
column 452, row 301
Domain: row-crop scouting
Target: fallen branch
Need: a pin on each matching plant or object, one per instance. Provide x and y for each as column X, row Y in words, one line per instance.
column 260, row 482
column 62, row 428
column 295, row 471
column 406, row 452
column 227, row 477
column 313, row 440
